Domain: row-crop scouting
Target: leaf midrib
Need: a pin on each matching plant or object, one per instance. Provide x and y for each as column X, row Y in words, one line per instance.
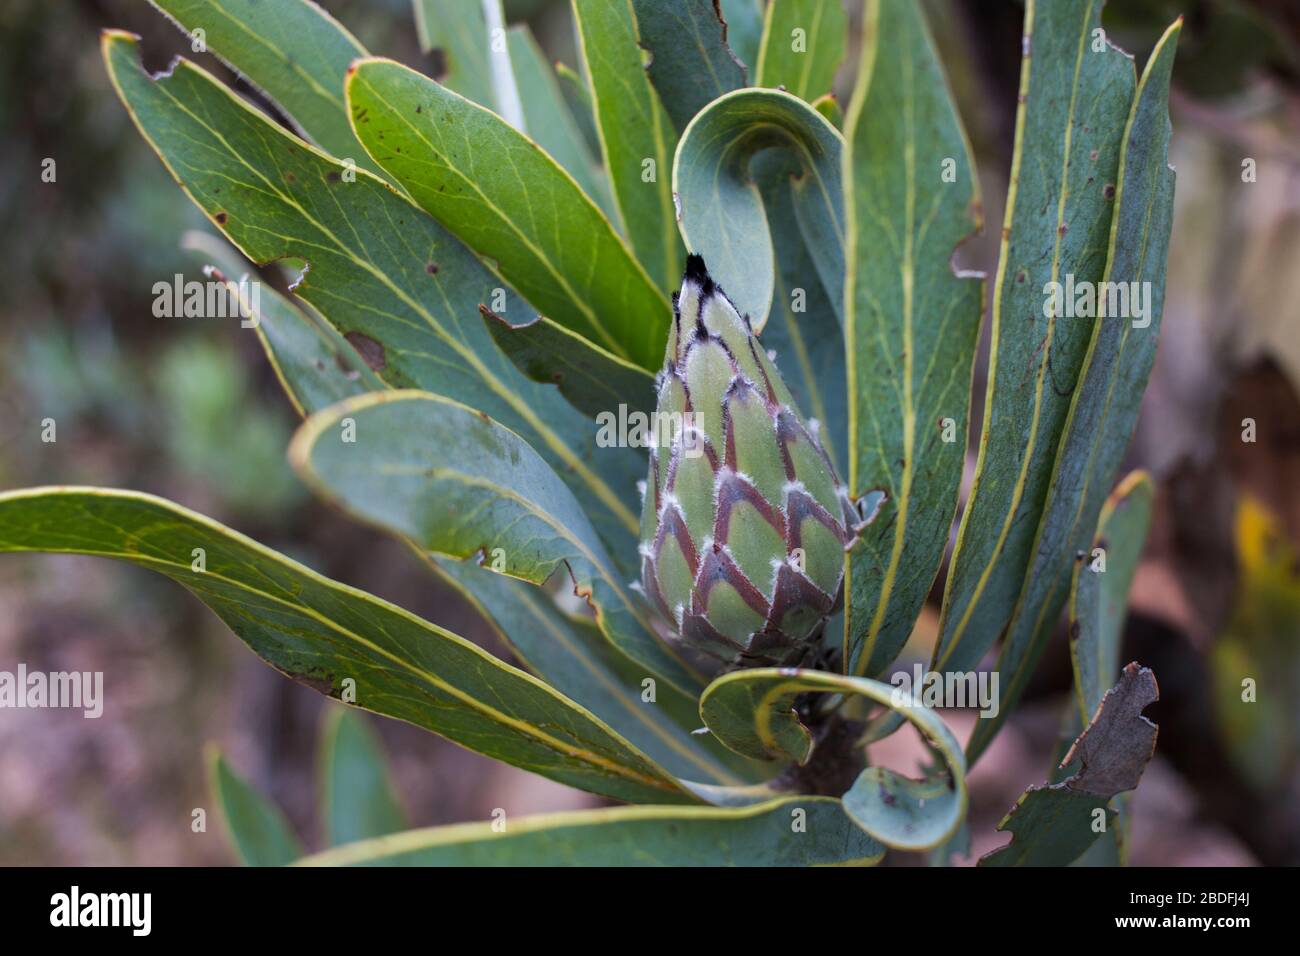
column 523, row 726
column 538, row 253
column 1030, row 446
column 293, row 67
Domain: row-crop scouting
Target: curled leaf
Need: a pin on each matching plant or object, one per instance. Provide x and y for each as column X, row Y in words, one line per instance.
column 753, row 712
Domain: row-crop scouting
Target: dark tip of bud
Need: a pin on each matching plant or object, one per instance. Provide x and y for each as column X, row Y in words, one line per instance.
column 697, row 271
column 695, row 268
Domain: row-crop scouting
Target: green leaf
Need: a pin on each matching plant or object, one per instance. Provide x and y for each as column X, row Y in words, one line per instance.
column 911, row 324
column 382, row 272
column 457, row 483
column 1099, row 600
column 744, row 19
column 314, row 364
column 459, row 33
column 321, row 633
column 292, row 50
column 636, row 137
column 795, row 831
column 722, row 214
column 1052, row 827
column 573, row 656
column 1054, row 824
column 578, row 95
column 752, row 712
column 256, row 828
column 549, row 120
column 1108, row 395
column 508, row 200
column 803, row 44
column 1069, row 131
column 357, row 798
column 594, row 381
column 690, row 62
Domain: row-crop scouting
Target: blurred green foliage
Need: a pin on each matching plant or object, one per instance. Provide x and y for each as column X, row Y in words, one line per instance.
column 135, row 398
column 1256, row 661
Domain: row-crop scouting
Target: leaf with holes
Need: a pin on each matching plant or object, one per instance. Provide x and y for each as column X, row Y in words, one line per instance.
column 1054, row 825
column 510, row 201
column 410, row 307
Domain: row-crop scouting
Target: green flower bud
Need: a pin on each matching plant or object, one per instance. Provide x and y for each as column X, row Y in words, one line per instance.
column 744, row 523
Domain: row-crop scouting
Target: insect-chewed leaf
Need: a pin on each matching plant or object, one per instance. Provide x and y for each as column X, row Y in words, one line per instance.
column 511, row 202
column 690, row 62
column 1053, row 825
column 744, row 31
column 315, row 365
column 410, row 306
column 459, row 484
column 292, row 50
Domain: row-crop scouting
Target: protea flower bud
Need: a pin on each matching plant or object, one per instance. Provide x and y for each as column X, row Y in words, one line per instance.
column 744, row 524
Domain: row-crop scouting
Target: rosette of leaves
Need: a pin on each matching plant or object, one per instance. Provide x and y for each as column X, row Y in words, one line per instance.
column 490, row 257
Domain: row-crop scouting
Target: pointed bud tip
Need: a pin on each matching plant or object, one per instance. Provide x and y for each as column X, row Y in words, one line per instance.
column 698, row 272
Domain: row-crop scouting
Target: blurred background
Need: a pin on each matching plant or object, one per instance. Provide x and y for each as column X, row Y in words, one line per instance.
column 190, row 409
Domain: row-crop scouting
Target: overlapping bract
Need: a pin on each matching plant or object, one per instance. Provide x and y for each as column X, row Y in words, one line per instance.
column 744, row 523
